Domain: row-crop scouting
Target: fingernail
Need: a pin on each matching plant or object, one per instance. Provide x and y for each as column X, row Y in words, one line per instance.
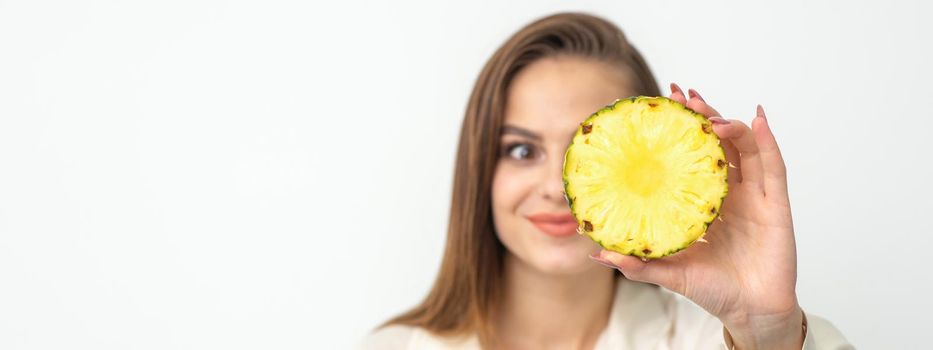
column 595, row 257
column 675, row 88
column 718, row 120
column 761, row 112
column 694, row 94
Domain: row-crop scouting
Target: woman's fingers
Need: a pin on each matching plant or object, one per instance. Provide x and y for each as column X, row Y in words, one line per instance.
column 744, row 140
column 753, row 151
column 677, row 94
column 699, row 105
column 663, row 272
column 775, row 173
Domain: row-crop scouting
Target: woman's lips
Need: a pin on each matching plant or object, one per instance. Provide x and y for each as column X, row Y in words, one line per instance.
column 558, row 225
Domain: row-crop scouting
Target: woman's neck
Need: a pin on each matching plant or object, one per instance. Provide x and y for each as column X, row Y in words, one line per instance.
column 548, row 311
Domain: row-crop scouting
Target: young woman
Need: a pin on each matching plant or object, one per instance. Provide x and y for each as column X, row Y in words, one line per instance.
column 512, row 278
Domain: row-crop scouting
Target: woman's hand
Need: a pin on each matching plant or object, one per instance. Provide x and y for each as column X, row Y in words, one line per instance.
column 746, row 274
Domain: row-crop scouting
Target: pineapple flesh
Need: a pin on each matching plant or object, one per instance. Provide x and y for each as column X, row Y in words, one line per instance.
column 645, row 176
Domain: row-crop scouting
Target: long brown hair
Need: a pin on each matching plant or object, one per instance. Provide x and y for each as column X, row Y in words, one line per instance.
column 468, row 288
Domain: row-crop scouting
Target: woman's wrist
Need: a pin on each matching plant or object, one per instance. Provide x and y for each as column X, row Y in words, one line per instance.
column 781, row 332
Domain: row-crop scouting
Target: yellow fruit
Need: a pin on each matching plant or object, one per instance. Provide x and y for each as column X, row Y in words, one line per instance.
column 645, row 176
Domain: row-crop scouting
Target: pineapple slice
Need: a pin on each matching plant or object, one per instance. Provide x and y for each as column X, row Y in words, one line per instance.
column 645, row 176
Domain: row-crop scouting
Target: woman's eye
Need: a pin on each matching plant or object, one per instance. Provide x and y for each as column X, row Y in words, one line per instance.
column 520, row 151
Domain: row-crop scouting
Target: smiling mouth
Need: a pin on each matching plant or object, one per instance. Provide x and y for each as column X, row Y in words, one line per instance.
column 557, row 225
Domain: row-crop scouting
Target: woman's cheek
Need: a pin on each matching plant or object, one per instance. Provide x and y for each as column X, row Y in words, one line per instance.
column 511, row 187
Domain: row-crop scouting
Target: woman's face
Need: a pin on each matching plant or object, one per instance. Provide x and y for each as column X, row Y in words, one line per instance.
column 547, row 101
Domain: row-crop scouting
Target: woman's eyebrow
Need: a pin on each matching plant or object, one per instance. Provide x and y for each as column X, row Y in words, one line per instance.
column 510, row 129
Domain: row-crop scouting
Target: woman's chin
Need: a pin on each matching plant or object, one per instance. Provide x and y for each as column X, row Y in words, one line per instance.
column 565, row 259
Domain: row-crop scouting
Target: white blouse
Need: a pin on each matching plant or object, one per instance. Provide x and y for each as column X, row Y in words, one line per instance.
column 654, row 318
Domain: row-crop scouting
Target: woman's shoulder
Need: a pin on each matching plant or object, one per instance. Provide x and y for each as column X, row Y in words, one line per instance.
column 394, row 337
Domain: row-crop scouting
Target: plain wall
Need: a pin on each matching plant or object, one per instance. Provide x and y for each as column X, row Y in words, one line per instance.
column 244, row 175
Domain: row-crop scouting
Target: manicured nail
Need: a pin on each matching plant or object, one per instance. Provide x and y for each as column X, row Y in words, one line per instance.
column 694, row 94
column 761, row 112
column 718, row 120
column 676, row 89
column 595, row 257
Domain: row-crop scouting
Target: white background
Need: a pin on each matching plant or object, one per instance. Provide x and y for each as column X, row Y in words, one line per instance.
column 276, row 175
